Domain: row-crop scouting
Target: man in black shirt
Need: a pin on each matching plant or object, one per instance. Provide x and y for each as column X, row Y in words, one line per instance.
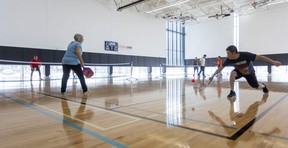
column 242, row 62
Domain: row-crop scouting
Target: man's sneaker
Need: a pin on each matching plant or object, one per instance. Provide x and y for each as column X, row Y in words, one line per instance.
column 265, row 89
column 231, row 94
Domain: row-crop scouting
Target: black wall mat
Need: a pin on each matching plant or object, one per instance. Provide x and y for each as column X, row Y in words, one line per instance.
column 55, row 56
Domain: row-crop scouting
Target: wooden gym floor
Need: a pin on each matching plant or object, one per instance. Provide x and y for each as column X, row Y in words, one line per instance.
column 167, row 112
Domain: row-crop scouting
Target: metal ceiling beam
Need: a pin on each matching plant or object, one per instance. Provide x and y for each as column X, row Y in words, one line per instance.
column 130, row 5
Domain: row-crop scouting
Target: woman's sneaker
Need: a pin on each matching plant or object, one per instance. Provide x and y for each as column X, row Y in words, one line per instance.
column 231, row 94
column 86, row 93
column 265, row 89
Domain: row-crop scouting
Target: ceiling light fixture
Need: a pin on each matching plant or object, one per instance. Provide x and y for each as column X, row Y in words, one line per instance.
column 167, row 6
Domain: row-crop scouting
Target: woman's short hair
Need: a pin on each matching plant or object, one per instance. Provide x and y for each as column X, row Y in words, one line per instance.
column 77, row 37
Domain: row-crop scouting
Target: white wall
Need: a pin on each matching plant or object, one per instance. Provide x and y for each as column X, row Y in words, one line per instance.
column 210, row 38
column 264, row 33
column 260, row 33
column 51, row 24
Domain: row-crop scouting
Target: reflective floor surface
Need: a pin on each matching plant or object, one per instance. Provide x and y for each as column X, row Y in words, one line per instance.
column 151, row 112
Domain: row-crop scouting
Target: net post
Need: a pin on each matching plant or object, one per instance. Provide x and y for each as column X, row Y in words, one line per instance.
column 131, row 65
column 131, row 73
column 161, row 72
column 185, row 71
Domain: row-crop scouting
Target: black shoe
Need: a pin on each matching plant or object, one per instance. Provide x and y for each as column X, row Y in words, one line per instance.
column 231, row 94
column 265, row 89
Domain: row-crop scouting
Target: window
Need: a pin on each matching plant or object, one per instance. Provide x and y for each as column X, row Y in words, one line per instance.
column 175, row 39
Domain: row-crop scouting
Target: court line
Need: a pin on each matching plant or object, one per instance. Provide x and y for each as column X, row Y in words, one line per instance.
column 118, row 125
column 76, row 102
column 97, row 107
column 85, row 122
column 60, row 113
column 163, row 114
column 236, row 135
column 156, row 114
column 38, row 99
column 149, row 119
column 132, row 104
column 88, row 123
column 137, row 119
column 92, row 125
column 268, row 135
column 105, row 139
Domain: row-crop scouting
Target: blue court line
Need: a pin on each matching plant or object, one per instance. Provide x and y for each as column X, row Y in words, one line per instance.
column 40, row 98
column 119, row 145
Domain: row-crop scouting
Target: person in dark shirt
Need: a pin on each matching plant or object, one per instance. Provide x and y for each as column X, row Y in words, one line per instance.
column 243, row 64
column 196, row 65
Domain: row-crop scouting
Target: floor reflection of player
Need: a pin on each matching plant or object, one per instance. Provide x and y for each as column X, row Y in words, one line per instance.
column 237, row 118
column 202, row 87
column 219, row 89
column 47, row 86
column 74, row 135
column 74, row 89
column 196, row 88
column 34, row 95
column 74, row 77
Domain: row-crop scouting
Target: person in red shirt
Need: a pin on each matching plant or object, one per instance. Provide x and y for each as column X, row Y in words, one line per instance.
column 35, row 66
column 219, row 61
column 219, row 64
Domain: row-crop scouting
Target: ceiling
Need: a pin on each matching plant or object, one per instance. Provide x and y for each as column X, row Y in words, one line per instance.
column 196, row 10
